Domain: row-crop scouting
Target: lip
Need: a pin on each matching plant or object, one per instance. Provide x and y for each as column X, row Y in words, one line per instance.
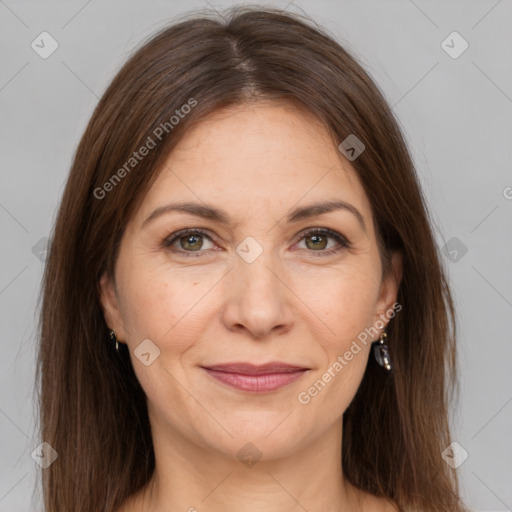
column 253, row 369
column 256, row 378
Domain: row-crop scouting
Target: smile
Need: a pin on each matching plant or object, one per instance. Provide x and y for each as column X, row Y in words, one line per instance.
column 261, row 383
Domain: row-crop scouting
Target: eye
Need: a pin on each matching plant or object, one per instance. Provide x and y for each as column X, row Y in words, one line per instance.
column 317, row 240
column 188, row 240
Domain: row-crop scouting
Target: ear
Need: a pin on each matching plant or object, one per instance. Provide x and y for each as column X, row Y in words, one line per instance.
column 389, row 289
column 110, row 306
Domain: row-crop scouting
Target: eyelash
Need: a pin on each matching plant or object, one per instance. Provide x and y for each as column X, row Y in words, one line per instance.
column 344, row 242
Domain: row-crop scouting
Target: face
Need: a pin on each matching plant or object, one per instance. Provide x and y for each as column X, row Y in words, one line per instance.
column 258, row 278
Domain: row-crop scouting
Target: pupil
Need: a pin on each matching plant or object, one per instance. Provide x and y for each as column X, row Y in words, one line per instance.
column 317, row 240
column 190, row 240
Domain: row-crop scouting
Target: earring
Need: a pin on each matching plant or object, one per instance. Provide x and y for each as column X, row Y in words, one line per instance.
column 381, row 352
column 113, row 338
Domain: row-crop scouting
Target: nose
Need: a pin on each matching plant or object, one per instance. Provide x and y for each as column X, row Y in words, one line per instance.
column 257, row 298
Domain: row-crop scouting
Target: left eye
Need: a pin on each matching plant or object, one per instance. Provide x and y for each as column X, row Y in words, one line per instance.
column 317, row 241
column 193, row 240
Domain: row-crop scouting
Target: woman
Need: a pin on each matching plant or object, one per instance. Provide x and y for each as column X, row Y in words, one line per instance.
column 244, row 306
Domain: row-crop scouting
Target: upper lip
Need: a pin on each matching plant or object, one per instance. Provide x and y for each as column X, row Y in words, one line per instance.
column 252, row 369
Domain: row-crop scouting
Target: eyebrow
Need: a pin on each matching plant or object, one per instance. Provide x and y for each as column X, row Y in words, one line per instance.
column 218, row 215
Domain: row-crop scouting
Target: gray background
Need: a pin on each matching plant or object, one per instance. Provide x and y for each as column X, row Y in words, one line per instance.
column 456, row 117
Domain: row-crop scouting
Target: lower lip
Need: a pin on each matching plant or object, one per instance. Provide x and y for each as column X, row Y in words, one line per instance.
column 256, row 383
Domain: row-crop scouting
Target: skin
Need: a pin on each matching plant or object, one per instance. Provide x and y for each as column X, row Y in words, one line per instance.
column 294, row 304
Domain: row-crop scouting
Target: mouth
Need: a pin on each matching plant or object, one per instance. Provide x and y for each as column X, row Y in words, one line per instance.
column 256, row 378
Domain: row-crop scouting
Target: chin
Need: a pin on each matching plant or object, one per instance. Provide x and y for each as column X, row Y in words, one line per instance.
column 259, row 442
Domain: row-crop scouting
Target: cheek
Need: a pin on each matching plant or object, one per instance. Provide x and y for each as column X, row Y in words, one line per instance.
column 168, row 308
column 344, row 298
column 346, row 303
column 161, row 304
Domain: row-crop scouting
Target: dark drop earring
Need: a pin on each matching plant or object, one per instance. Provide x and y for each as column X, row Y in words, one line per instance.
column 113, row 338
column 381, row 352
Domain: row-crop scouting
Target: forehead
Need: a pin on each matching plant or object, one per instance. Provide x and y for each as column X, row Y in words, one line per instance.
column 249, row 158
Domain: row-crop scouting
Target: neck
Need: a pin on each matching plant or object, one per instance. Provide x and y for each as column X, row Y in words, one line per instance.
column 192, row 478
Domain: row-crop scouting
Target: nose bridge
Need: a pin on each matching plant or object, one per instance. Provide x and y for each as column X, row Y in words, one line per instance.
column 256, row 298
column 255, row 267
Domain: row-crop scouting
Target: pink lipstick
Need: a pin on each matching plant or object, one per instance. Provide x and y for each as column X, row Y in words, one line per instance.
column 256, row 378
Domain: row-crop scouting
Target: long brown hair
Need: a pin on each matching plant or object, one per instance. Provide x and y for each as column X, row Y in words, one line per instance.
column 93, row 410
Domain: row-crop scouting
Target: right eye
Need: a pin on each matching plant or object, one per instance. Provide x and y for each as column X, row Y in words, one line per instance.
column 187, row 241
